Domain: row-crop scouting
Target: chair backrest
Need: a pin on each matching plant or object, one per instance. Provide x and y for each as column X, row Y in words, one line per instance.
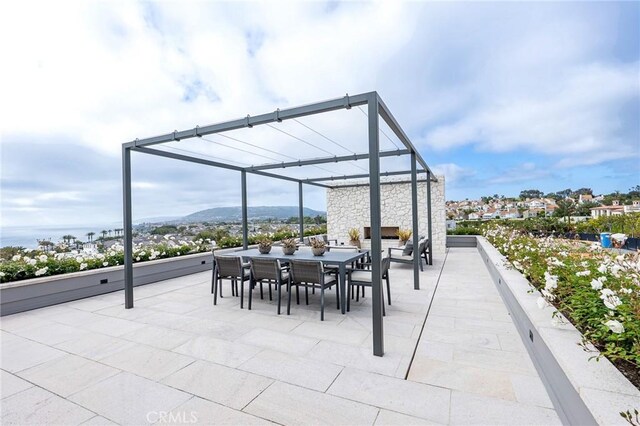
column 229, row 266
column 325, row 238
column 421, row 245
column 306, row 271
column 265, row 269
column 386, row 262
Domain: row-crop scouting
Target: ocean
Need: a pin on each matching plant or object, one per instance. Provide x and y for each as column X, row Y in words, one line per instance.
column 28, row 236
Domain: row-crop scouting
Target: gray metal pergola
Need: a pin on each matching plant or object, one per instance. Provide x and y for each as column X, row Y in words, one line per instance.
column 376, row 108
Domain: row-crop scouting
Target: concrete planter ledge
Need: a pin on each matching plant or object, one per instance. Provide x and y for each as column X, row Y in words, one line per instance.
column 39, row 292
column 583, row 391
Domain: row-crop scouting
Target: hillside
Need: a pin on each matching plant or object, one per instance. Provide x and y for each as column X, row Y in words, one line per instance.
column 228, row 214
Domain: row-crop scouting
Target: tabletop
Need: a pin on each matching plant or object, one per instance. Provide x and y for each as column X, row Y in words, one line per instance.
column 337, row 256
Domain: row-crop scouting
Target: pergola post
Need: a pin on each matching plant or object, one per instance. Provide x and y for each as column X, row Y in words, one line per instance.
column 376, row 223
column 414, row 218
column 429, row 229
column 127, row 227
column 245, row 224
column 301, row 211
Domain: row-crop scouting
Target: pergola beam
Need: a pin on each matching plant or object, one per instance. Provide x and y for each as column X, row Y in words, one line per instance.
column 345, row 102
column 325, row 160
column 358, row 176
column 386, row 115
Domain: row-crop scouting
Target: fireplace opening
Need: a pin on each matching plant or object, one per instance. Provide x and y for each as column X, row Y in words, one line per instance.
column 386, row 232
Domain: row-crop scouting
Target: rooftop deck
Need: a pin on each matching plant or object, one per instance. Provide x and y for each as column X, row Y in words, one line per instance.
column 93, row 362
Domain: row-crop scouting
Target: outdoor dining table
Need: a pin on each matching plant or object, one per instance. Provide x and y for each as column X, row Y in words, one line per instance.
column 337, row 257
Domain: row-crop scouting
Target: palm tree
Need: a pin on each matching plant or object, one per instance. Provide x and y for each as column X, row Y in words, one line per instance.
column 90, row 236
column 565, row 209
column 104, row 233
column 110, row 231
column 71, row 238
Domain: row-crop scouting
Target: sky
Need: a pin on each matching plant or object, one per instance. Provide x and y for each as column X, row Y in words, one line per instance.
column 497, row 97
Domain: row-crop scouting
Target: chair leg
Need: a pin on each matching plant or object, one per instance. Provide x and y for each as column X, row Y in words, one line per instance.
column 388, row 290
column 215, row 291
column 241, row 293
column 349, row 296
column 219, row 284
column 279, row 284
column 261, row 291
column 289, row 290
column 297, row 294
column 234, row 289
column 251, row 291
column 384, row 311
column 306, row 295
column 213, row 279
column 322, row 303
column 270, row 297
column 357, row 293
column 337, row 296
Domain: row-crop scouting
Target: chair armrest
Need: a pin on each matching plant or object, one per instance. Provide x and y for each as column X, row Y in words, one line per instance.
column 395, row 248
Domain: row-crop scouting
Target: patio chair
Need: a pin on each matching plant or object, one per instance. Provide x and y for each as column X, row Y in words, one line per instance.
column 362, row 278
column 269, row 270
column 311, row 273
column 230, row 268
column 405, row 254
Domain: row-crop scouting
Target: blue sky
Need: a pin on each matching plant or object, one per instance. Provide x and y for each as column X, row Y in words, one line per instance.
column 498, row 97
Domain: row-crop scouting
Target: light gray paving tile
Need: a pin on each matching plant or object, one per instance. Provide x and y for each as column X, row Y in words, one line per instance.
column 75, row 317
column 301, row 371
column 462, row 377
column 96, row 303
column 119, row 311
column 282, row 323
column 483, row 340
column 52, row 333
column 174, row 307
column 530, row 390
column 435, row 350
column 16, row 322
column 128, row 399
column 218, row 383
column 169, row 320
column 19, row 353
column 112, row 326
column 11, row 384
column 283, row 342
column 484, row 326
column 203, row 412
column 411, row 398
column 336, row 333
column 220, row 351
column 68, row 374
column 481, row 410
column 391, row 418
column 147, row 361
column 214, row 328
column 158, row 337
column 98, row 421
column 95, row 346
column 288, row 404
column 513, row 362
column 36, row 406
column 356, row 357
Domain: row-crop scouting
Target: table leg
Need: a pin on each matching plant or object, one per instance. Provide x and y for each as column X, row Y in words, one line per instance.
column 343, row 286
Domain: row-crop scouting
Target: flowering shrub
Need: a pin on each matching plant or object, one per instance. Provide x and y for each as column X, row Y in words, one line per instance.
column 32, row 264
column 598, row 290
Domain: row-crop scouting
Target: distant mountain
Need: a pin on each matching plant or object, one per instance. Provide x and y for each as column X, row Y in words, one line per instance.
column 229, row 214
column 159, row 219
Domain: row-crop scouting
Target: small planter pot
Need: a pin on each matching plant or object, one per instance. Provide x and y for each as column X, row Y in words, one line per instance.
column 355, row 243
column 288, row 250
column 318, row 251
column 264, row 250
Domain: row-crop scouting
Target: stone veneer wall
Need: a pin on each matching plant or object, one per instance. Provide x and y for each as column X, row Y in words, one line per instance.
column 349, row 208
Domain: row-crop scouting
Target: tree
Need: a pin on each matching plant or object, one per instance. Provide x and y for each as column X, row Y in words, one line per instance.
column 110, row 231
column 531, row 193
column 90, row 235
column 584, row 209
column 104, row 233
column 566, row 208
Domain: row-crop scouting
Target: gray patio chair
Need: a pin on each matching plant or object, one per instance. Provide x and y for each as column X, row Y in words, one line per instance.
column 230, row 268
column 362, row 278
column 405, row 254
column 310, row 273
column 269, row 271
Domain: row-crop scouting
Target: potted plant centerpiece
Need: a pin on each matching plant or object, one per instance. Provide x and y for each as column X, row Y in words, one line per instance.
column 289, row 246
column 354, row 237
column 404, row 235
column 318, row 247
column 264, row 244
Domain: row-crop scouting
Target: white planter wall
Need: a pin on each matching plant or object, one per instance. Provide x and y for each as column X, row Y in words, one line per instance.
column 349, row 208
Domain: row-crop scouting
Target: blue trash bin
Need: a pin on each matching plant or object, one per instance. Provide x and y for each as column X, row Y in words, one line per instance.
column 605, row 239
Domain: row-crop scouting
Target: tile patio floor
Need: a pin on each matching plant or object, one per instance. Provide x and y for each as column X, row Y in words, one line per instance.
column 175, row 358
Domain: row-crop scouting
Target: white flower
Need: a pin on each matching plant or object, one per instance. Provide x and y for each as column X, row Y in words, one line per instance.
column 79, row 259
column 83, row 266
column 602, row 269
column 542, row 303
column 615, row 270
column 137, row 259
column 32, row 262
column 626, row 290
column 583, row 273
column 551, row 281
column 41, row 271
column 16, row 258
column 597, row 284
column 105, row 263
column 517, row 265
column 615, row 326
column 42, row 258
column 2, row 274
column 611, row 301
